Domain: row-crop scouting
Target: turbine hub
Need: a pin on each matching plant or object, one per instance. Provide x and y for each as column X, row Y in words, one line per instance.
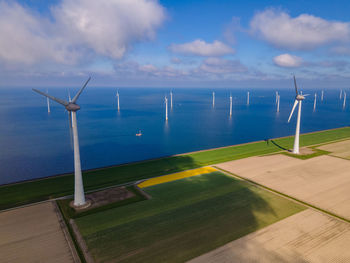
column 299, row 97
column 72, row 107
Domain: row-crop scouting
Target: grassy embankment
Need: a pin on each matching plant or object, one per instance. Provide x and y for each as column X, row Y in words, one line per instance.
column 184, row 219
column 27, row 192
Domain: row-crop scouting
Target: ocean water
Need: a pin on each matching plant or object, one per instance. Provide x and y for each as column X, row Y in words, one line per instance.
column 36, row 144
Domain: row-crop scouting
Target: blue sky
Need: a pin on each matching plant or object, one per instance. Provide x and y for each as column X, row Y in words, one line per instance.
column 146, row 43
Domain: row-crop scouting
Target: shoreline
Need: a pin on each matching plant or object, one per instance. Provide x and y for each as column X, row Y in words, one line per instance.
column 158, row 158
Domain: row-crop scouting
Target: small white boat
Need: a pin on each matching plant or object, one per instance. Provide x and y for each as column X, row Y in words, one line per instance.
column 139, row 134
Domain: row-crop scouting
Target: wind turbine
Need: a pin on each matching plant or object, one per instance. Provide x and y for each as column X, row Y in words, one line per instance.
column 322, row 95
column 48, row 103
column 248, row 98
column 298, row 99
column 72, row 108
column 344, row 101
column 171, row 100
column 166, row 108
column 315, row 101
column 213, row 99
column 117, row 95
column 276, row 96
column 230, row 105
column 278, row 102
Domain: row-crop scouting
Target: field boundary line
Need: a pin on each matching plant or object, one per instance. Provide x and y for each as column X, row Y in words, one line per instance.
column 283, row 195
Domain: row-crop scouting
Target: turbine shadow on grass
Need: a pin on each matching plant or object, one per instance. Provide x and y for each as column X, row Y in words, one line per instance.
column 276, row 144
column 184, row 219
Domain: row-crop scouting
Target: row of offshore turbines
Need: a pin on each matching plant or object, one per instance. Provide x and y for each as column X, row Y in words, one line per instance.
column 72, row 107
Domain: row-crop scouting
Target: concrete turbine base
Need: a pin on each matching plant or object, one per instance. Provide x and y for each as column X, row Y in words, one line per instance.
column 80, row 207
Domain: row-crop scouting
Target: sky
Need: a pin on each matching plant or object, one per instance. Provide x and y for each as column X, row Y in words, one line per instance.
column 174, row 43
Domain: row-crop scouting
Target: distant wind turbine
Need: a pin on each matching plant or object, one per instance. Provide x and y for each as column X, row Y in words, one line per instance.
column 344, row 101
column 48, row 102
column 276, row 96
column 213, row 99
column 230, row 105
column 322, row 95
column 298, row 99
column 315, row 101
column 278, row 102
column 248, row 98
column 118, row 105
column 171, row 100
column 72, row 108
column 166, row 108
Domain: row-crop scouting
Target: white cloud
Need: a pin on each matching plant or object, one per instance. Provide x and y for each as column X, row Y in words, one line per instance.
column 288, row 61
column 201, row 48
column 222, row 66
column 77, row 28
column 299, row 33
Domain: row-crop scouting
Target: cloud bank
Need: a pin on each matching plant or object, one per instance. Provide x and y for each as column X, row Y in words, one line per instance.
column 201, row 48
column 300, row 33
column 77, row 28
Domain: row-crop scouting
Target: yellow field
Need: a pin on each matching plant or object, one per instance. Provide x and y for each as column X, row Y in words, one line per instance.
column 176, row 176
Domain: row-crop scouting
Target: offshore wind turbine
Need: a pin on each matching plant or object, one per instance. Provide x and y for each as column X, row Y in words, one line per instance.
column 213, row 99
column 166, row 108
column 322, row 95
column 118, row 105
column 344, row 101
column 72, row 108
column 171, row 100
column 230, row 105
column 278, row 102
column 276, row 96
column 298, row 100
column 248, row 98
column 48, row 102
column 315, row 101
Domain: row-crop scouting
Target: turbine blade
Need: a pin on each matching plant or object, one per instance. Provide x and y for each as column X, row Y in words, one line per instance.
column 306, row 95
column 295, row 85
column 62, row 102
column 291, row 113
column 80, row 91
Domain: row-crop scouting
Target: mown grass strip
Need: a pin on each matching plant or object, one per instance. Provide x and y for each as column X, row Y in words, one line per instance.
column 38, row 190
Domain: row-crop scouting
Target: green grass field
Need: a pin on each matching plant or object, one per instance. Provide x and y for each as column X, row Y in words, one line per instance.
column 27, row 192
column 184, row 219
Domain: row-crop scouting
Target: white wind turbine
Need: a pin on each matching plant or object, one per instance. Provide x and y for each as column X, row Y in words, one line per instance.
column 171, row 100
column 315, row 101
column 48, row 103
column 213, row 99
column 278, row 102
column 72, row 108
column 118, row 105
column 166, row 108
column 230, row 105
column 298, row 99
column 344, row 101
column 248, row 98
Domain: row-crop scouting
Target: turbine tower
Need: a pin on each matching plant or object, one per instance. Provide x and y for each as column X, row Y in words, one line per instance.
column 213, row 99
column 322, row 95
column 298, row 99
column 72, row 108
column 248, row 98
column 171, row 100
column 276, row 96
column 118, row 105
column 344, row 101
column 278, row 103
column 315, row 101
column 166, row 108
column 230, row 105
column 48, row 102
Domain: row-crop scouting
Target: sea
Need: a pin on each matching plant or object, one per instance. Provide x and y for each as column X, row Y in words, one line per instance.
column 36, row 144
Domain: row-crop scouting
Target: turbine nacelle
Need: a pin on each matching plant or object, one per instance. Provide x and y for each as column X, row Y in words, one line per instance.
column 72, row 107
column 300, row 97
